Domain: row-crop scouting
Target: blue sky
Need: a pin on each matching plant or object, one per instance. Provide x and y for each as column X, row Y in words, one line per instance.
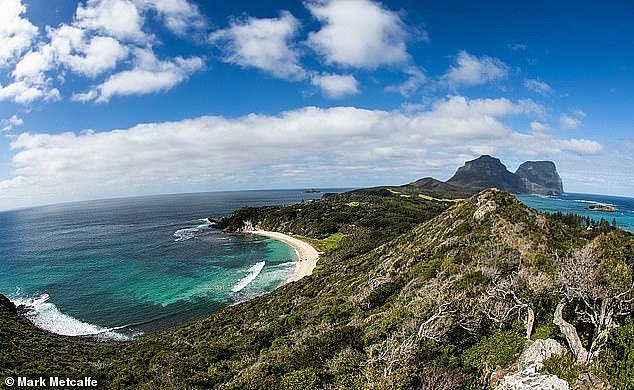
column 105, row 98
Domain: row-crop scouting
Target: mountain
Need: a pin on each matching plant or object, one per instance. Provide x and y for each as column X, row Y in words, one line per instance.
column 487, row 172
column 540, row 177
column 417, row 293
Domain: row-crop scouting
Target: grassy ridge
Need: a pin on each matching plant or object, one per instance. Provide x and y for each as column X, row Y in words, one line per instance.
column 402, row 298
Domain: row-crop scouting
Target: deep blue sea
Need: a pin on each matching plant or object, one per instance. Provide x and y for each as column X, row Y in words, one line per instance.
column 121, row 268
column 578, row 204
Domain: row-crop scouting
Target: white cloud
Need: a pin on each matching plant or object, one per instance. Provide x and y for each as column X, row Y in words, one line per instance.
column 412, row 84
column 148, row 75
column 538, row 86
column 358, row 33
column 335, row 145
column 539, row 126
column 572, row 120
column 16, row 33
column 179, row 16
column 88, row 56
column 472, row 70
column 263, row 44
column 33, row 65
column 118, row 18
column 11, row 123
column 568, row 122
column 101, row 35
column 336, row 86
column 24, row 93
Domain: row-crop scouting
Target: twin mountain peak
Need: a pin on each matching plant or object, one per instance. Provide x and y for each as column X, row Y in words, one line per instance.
column 532, row 177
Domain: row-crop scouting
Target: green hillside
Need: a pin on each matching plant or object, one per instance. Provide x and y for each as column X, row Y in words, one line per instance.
column 416, row 293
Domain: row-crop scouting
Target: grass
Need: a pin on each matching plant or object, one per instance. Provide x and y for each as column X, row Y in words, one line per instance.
column 427, row 197
column 332, row 241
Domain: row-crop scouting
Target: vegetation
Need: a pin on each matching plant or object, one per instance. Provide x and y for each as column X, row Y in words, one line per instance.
column 332, row 241
column 412, row 293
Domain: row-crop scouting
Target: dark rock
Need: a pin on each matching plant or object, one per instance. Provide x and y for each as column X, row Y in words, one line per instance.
column 487, row 172
column 6, row 303
column 214, row 220
column 540, row 177
column 601, row 207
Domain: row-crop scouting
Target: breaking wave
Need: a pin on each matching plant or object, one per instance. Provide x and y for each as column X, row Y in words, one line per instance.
column 189, row 233
column 254, row 271
column 47, row 316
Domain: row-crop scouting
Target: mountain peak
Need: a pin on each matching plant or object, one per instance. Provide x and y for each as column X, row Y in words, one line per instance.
column 540, row 177
column 487, row 172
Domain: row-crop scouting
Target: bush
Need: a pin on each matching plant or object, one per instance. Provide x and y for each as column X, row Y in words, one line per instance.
column 564, row 366
column 500, row 349
column 618, row 359
column 301, row 379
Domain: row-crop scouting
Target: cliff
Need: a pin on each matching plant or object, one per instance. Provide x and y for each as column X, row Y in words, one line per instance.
column 540, row 177
column 487, row 172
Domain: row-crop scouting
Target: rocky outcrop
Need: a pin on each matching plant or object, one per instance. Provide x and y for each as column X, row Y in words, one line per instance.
column 540, row 177
column 531, row 361
column 487, row 172
column 6, row 303
column 602, row 207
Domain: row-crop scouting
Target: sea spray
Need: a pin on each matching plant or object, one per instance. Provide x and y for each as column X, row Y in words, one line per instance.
column 45, row 315
column 253, row 273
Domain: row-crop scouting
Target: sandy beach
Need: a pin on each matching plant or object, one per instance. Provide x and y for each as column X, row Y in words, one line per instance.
column 306, row 254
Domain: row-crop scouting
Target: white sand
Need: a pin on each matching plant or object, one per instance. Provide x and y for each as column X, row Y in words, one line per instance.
column 306, row 254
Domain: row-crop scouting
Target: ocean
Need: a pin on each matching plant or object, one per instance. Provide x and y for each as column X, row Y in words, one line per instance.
column 578, row 204
column 120, row 268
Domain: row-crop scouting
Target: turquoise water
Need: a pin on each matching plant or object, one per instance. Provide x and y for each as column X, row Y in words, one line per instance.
column 578, row 204
column 121, row 268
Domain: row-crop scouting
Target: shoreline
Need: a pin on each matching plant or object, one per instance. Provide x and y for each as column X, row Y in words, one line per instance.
column 307, row 255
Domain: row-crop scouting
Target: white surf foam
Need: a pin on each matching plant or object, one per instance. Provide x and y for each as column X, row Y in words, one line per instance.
column 592, row 202
column 189, row 233
column 254, row 271
column 47, row 316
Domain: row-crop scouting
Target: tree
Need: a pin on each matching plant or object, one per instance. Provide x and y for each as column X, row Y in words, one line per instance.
column 597, row 283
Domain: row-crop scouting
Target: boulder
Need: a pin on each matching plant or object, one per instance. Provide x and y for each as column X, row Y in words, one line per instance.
column 530, row 362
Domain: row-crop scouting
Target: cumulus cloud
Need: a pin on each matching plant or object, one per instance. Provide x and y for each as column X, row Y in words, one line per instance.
column 179, row 16
column 88, row 56
column 117, row 18
column 415, row 80
column 9, row 124
column 539, row 126
column 572, row 120
column 100, row 37
column 568, row 122
column 148, row 75
column 16, row 33
column 264, row 44
column 473, row 70
column 24, row 93
column 359, row 34
column 213, row 152
column 538, row 86
column 335, row 85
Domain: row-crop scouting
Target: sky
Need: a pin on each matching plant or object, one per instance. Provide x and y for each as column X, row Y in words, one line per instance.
column 112, row 98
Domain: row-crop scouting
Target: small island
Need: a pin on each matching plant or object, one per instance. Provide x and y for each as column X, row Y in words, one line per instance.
column 312, row 191
column 602, row 207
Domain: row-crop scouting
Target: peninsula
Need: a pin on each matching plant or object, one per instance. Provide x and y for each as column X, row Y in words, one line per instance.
column 418, row 286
